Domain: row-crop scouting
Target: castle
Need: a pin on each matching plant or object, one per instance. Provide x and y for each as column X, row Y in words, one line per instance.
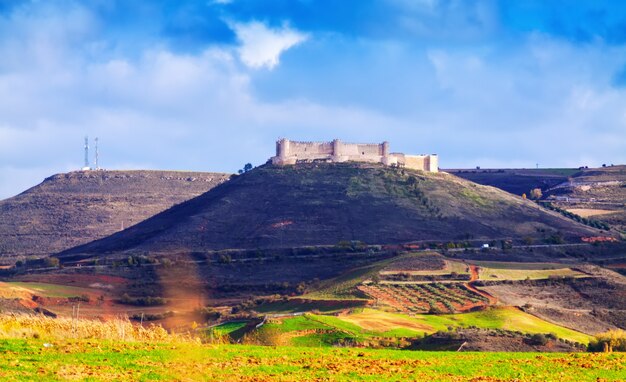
column 292, row 152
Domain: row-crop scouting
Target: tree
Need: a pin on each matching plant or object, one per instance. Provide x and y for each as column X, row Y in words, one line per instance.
column 536, row 193
column 538, row 339
column 51, row 262
column 247, row 167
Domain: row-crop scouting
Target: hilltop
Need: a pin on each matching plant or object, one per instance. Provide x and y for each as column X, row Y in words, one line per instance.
column 323, row 204
column 70, row 209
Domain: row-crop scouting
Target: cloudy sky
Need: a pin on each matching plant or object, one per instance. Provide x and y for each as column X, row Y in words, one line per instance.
column 210, row 85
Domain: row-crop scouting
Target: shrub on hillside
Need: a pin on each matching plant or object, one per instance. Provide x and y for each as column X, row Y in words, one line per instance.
column 142, row 301
column 209, row 313
column 538, row 339
column 612, row 340
column 535, row 193
column 151, row 316
column 266, row 336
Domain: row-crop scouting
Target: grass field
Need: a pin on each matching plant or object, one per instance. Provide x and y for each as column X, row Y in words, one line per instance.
column 498, row 270
column 344, row 286
column 522, row 274
column 450, row 266
column 119, row 361
column 229, row 327
column 20, row 289
column 365, row 324
column 496, row 318
column 556, row 171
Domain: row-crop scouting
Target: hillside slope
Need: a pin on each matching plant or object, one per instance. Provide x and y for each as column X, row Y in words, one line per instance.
column 66, row 210
column 316, row 204
column 515, row 181
column 599, row 193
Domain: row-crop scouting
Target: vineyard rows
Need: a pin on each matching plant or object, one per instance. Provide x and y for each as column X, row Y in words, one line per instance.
column 425, row 298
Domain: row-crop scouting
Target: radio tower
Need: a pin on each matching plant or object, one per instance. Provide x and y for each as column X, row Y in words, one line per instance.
column 86, row 153
column 97, row 168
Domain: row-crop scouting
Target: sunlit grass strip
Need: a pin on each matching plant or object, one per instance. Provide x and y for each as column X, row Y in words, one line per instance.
column 124, row 361
column 41, row 327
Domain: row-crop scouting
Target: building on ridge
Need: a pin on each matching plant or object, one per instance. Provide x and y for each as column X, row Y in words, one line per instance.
column 292, row 152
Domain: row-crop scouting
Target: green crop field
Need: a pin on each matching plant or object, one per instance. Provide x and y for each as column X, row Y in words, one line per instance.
column 519, row 266
column 522, row 274
column 229, row 327
column 556, row 171
column 50, row 290
column 364, row 324
column 95, row 360
column 497, row 318
column 450, row 266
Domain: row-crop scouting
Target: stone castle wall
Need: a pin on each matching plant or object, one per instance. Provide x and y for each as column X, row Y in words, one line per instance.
column 291, row 152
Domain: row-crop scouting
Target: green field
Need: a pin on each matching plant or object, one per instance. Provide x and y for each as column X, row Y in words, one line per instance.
column 451, row 266
column 229, row 327
column 369, row 323
column 556, row 171
column 127, row 361
column 344, row 286
column 518, row 266
column 499, row 270
column 523, row 274
column 50, row 290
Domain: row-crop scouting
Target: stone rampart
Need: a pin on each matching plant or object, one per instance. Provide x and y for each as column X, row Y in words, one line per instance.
column 291, row 152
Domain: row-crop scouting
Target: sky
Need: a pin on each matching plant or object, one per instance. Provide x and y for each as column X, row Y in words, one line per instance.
column 211, row 85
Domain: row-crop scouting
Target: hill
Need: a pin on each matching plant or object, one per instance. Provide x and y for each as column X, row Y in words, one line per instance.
column 70, row 209
column 516, row 181
column 592, row 193
column 596, row 193
column 324, row 204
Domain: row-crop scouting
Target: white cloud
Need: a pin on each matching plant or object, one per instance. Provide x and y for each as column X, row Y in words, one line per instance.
column 158, row 108
column 262, row 46
column 545, row 101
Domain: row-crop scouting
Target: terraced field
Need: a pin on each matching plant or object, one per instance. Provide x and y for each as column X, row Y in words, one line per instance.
column 496, row 270
column 366, row 325
column 425, row 298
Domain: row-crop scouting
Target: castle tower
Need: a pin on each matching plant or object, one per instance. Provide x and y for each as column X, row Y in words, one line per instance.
column 433, row 163
column 282, row 151
column 338, row 154
column 282, row 148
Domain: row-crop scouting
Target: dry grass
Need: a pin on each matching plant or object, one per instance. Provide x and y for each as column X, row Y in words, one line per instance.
column 383, row 321
column 522, row 274
column 587, row 212
column 120, row 329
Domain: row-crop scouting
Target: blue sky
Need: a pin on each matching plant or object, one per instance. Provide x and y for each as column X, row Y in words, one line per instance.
column 210, row 85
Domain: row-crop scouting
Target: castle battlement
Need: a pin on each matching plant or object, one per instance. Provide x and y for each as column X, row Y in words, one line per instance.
column 292, row 152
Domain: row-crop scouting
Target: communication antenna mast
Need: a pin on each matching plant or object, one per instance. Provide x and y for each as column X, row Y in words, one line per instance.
column 97, row 168
column 86, row 153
